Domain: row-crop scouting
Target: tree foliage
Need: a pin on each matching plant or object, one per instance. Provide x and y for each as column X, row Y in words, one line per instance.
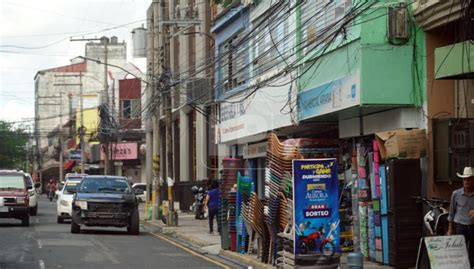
column 12, row 146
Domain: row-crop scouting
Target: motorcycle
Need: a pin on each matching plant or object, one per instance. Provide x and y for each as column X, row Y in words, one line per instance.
column 436, row 219
column 316, row 241
column 198, row 204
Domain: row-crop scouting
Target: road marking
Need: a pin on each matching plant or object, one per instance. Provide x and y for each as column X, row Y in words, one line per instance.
column 41, row 264
column 191, row 251
column 39, row 244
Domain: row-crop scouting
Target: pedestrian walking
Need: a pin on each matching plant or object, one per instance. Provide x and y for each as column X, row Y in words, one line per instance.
column 461, row 211
column 212, row 204
column 51, row 188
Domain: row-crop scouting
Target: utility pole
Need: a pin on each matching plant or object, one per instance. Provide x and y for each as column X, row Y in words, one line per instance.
column 81, row 132
column 61, row 158
column 156, row 197
column 105, row 98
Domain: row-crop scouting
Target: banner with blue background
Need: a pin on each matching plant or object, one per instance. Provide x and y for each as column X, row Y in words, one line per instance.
column 316, row 206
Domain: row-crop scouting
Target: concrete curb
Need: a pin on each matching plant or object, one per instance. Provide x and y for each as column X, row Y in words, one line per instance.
column 198, row 245
column 245, row 259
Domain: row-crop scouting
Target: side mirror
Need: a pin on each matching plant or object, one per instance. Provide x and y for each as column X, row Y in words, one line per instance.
column 37, row 185
column 138, row 191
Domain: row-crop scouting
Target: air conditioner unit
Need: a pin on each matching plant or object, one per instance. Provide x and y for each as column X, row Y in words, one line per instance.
column 397, row 23
column 199, row 91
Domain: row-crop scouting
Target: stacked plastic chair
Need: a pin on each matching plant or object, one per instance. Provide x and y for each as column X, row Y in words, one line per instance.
column 285, row 254
column 252, row 215
column 278, row 166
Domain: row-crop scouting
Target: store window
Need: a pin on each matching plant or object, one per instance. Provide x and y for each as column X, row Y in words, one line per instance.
column 232, row 63
column 270, row 43
column 320, row 19
column 130, row 109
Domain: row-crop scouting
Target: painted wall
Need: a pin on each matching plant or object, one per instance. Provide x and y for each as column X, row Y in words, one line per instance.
column 387, row 71
column 441, row 104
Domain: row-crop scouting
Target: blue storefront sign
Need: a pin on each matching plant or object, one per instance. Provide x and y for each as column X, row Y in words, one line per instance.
column 329, row 97
column 316, row 207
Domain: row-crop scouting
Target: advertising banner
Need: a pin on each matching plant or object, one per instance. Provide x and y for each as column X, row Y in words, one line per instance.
column 316, row 207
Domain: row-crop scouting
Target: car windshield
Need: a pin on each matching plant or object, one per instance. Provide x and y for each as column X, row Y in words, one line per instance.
column 11, row 181
column 104, row 185
column 29, row 182
column 70, row 185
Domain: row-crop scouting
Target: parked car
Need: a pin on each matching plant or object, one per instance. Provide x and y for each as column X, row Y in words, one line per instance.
column 14, row 197
column 32, row 187
column 105, row 201
column 65, row 196
column 142, row 187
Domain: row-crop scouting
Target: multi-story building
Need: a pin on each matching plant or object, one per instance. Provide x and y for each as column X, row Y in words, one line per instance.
column 180, row 71
column 60, row 91
column 448, row 78
column 255, row 91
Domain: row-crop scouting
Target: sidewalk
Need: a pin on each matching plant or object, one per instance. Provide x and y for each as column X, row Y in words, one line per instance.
column 196, row 233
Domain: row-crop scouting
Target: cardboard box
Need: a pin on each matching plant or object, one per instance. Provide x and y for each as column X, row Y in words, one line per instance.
column 403, row 144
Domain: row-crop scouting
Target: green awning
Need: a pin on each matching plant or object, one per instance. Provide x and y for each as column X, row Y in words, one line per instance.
column 455, row 61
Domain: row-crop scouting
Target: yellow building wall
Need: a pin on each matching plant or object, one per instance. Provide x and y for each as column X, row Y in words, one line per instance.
column 91, row 122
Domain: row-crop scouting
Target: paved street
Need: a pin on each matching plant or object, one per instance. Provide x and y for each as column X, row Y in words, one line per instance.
column 46, row 244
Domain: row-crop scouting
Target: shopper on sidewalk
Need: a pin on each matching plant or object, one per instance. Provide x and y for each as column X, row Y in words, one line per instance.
column 461, row 211
column 212, row 204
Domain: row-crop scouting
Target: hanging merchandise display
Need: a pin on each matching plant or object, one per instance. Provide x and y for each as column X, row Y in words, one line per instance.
column 389, row 221
column 316, row 207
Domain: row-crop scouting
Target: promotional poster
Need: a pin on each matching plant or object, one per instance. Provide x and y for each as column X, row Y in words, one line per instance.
column 316, row 207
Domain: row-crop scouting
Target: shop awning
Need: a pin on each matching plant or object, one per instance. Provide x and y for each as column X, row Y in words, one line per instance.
column 69, row 164
column 455, row 61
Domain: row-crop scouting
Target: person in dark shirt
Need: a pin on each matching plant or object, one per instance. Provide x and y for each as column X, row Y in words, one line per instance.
column 212, row 204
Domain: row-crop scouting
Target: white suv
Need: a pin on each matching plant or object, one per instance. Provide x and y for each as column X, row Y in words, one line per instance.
column 33, row 203
column 64, row 202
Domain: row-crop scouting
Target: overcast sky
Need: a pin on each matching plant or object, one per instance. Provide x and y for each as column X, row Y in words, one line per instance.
column 34, row 35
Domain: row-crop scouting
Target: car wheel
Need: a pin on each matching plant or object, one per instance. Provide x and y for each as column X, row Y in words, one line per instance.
column 75, row 228
column 34, row 211
column 60, row 220
column 25, row 221
column 134, row 223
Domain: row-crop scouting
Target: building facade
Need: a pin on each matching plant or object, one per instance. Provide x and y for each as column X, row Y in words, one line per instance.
column 61, row 92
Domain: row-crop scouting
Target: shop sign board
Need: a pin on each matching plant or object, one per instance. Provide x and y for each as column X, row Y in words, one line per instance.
column 445, row 252
column 245, row 115
column 330, row 97
column 258, row 150
column 121, row 151
column 316, row 206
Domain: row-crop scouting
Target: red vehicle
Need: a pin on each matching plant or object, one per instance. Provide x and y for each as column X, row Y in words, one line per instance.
column 316, row 241
column 14, row 198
